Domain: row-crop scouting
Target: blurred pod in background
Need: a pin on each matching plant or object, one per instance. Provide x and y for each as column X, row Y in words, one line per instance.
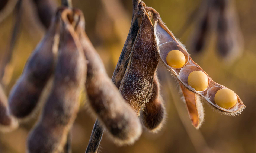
column 218, row 16
column 45, row 11
column 62, row 105
column 229, row 37
column 26, row 92
column 200, row 36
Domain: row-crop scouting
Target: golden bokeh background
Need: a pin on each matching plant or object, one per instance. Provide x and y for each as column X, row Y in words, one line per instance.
column 107, row 25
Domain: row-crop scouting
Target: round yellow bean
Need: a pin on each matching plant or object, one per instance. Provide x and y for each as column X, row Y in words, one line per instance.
column 198, row 80
column 225, row 98
column 176, row 59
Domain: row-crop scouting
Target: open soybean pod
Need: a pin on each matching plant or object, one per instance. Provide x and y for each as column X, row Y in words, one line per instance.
column 59, row 113
column 7, row 122
column 153, row 114
column 229, row 37
column 137, row 83
column 114, row 113
column 127, row 49
column 200, row 35
column 167, row 43
column 25, row 94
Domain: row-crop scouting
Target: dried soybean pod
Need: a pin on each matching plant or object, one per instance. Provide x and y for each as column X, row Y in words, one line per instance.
column 152, row 116
column 199, row 38
column 194, row 106
column 137, row 82
column 229, row 37
column 50, row 133
column 127, row 49
column 45, row 10
column 7, row 122
column 26, row 92
column 115, row 114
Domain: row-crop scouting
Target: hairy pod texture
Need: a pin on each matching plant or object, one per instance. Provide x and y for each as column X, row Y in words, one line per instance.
column 25, row 94
column 127, row 49
column 104, row 98
column 153, row 114
column 7, row 122
column 137, row 82
column 59, row 113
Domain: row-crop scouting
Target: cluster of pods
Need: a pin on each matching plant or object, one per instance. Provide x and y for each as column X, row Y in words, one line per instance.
column 65, row 62
column 219, row 16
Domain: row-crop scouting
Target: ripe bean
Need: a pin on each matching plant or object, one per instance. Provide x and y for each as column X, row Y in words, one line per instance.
column 225, row 98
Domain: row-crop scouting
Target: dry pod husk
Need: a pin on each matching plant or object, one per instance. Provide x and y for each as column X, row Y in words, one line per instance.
column 153, row 114
column 62, row 105
column 7, row 122
column 194, row 106
column 229, row 37
column 105, row 100
column 24, row 96
column 137, row 83
column 167, row 42
column 127, row 49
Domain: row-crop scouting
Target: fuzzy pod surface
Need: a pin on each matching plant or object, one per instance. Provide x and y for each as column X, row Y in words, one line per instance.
column 59, row 113
column 25, row 94
column 114, row 113
column 127, row 49
column 153, row 114
column 137, row 82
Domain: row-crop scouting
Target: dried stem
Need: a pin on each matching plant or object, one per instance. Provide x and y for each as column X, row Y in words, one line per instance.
column 95, row 138
column 8, row 54
column 67, row 3
column 67, row 147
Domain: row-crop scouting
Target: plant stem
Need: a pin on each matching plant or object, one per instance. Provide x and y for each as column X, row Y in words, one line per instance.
column 67, row 147
column 95, row 138
column 67, row 3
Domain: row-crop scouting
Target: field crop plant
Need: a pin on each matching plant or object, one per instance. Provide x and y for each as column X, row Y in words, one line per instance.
column 66, row 59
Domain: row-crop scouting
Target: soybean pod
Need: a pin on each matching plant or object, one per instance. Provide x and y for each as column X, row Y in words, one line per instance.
column 25, row 94
column 105, row 100
column 61, row 108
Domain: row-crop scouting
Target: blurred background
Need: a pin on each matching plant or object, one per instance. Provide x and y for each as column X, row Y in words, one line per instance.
column 107, row 25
